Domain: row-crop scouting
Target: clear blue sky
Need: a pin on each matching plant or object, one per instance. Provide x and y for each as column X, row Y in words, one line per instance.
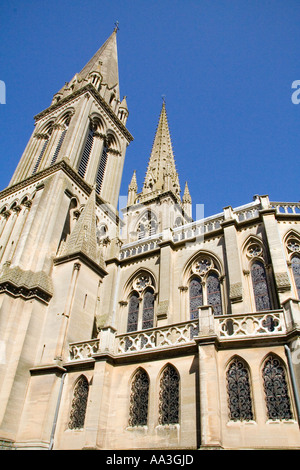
column 225, row 66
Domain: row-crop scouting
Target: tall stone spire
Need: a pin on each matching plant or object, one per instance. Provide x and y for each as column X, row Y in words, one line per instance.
column 187, row 201
column 132, row 190
column 102, row 71
column 105, row 61
column 161, row 172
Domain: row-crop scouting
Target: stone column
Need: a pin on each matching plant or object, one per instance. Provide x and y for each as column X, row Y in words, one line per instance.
column 280, row 269
column 165, row 277
column 233, row 260
column 210, row 410
column 97, row 414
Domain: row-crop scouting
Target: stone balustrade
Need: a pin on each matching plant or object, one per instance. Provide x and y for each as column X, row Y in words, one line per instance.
column 250, row 325
column 169, row 336
column 286, row 207
column 83, row 349
column 224, row 327
column 199, row 228
column 140, row 246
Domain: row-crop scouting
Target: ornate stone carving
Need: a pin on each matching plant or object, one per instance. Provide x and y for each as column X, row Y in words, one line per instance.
column 293, row 245
column 254, row 250
column 202, row 266
column 142, row 282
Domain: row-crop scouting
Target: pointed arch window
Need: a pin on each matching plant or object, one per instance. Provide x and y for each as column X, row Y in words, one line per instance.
column 133, row 312
column 86, row 152
column 296, row 273
column 169, row 396
column 61, row 139
column 141, row 303
column 205, row 286
column 260, row 286
column 139, row 395
column 276, row 389
column 79, row 404
column 239, row 393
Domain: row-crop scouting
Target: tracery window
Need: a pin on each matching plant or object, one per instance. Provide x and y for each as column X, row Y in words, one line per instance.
column 141, row 303
column 239, row 393
column 260, row 286
column 276, row 389
column 296, row 272
column 205, row 286
column 79, row 404
column 138, row 411
column 169, row 396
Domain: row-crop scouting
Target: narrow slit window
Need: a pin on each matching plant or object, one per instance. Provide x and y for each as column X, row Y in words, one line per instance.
column 101, row 170
column 86, row 153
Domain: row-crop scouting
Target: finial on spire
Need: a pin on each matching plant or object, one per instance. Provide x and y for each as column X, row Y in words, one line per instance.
column 163, row 98
column 116, row 26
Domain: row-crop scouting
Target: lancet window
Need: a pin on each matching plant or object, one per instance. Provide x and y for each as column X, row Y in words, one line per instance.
column 63, row 127
column 205, row 286
column 169, row 396
column 260, row 286
column 139, row 395
column 239, row 392
column 259, row 276
column 45, row 136
column 79, row 404
column 276, row 389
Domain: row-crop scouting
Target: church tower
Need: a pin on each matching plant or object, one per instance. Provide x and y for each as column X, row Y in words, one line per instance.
column 59, row 206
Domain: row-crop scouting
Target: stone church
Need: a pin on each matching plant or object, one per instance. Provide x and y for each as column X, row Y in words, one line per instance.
column 139, row 328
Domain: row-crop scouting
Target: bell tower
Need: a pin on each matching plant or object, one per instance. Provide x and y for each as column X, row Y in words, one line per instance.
column 85, row 126
column 58, row 207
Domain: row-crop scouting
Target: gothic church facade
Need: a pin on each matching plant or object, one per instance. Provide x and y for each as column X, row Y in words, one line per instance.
column 146, row 329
